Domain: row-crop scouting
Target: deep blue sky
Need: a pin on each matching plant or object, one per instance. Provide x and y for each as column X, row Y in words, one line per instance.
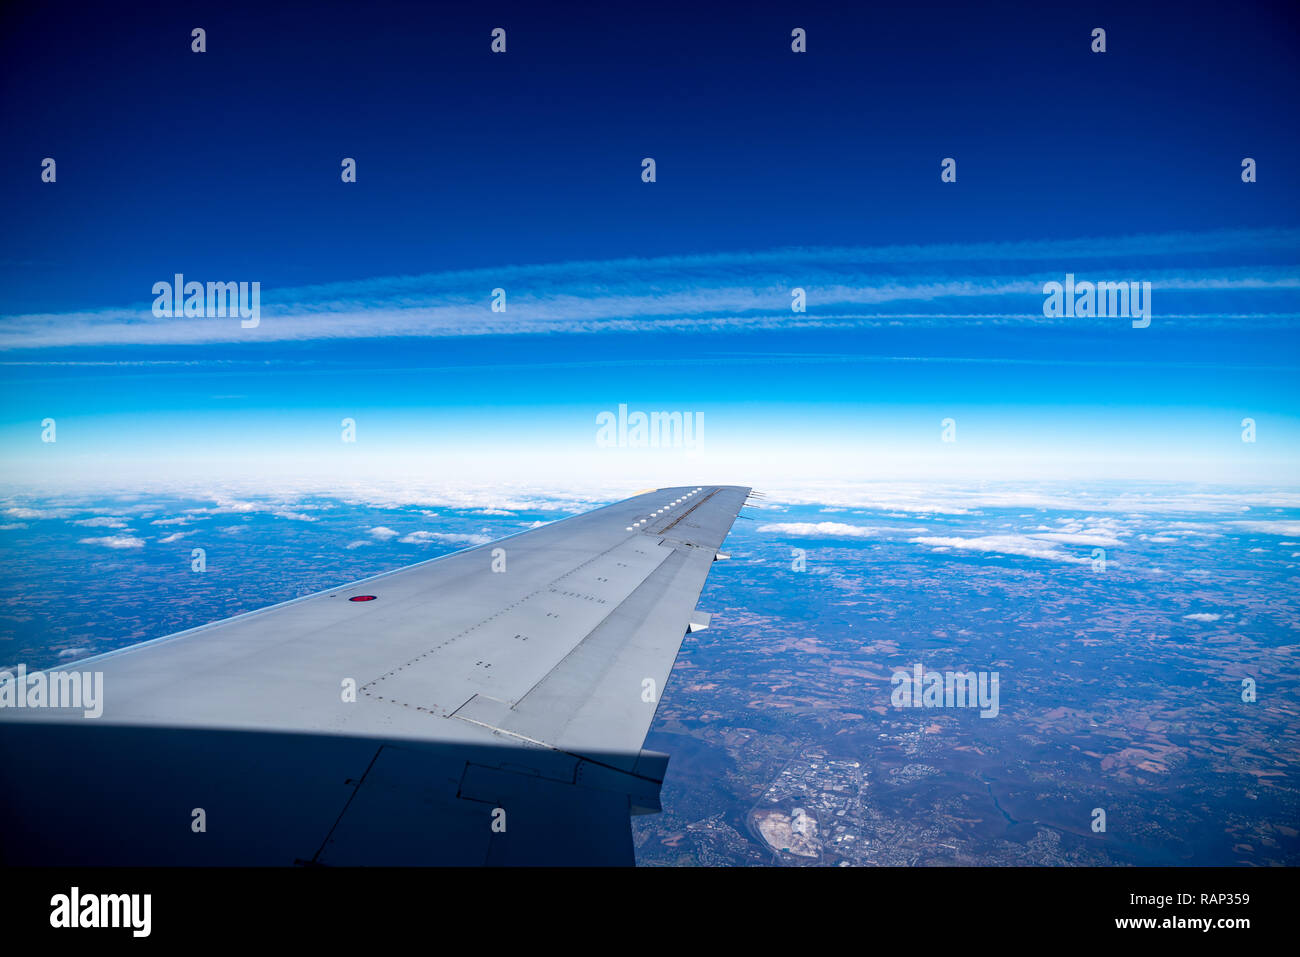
column 228, row 162
column 225, row 166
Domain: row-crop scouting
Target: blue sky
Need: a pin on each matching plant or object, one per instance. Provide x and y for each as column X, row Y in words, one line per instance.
column 522, row 171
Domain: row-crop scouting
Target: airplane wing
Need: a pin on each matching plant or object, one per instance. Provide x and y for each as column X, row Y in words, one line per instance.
column 486, row 707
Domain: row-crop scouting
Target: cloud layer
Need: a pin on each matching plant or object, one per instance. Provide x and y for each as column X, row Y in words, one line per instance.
column 942, row 284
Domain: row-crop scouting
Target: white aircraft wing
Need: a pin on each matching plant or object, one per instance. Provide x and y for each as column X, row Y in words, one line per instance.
column 489, row 706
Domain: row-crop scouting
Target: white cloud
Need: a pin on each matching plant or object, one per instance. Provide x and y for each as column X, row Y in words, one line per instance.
column 40, row 513
column 823, row 530
column 446, row 538
column 1003, row 544
column 101, row 521
column 383, row 533
column 115, row 541
column 854, row 287
column 1280, row 527
column 942, row 498
column 1069, row 538
column 1202, row 616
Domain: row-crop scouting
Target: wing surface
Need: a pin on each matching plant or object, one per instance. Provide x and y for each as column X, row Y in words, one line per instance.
column 489, row 706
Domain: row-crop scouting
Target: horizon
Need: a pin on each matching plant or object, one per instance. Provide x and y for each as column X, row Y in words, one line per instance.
column 801, row 278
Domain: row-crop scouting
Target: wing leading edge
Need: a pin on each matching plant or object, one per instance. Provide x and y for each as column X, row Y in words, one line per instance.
column 488, row 706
